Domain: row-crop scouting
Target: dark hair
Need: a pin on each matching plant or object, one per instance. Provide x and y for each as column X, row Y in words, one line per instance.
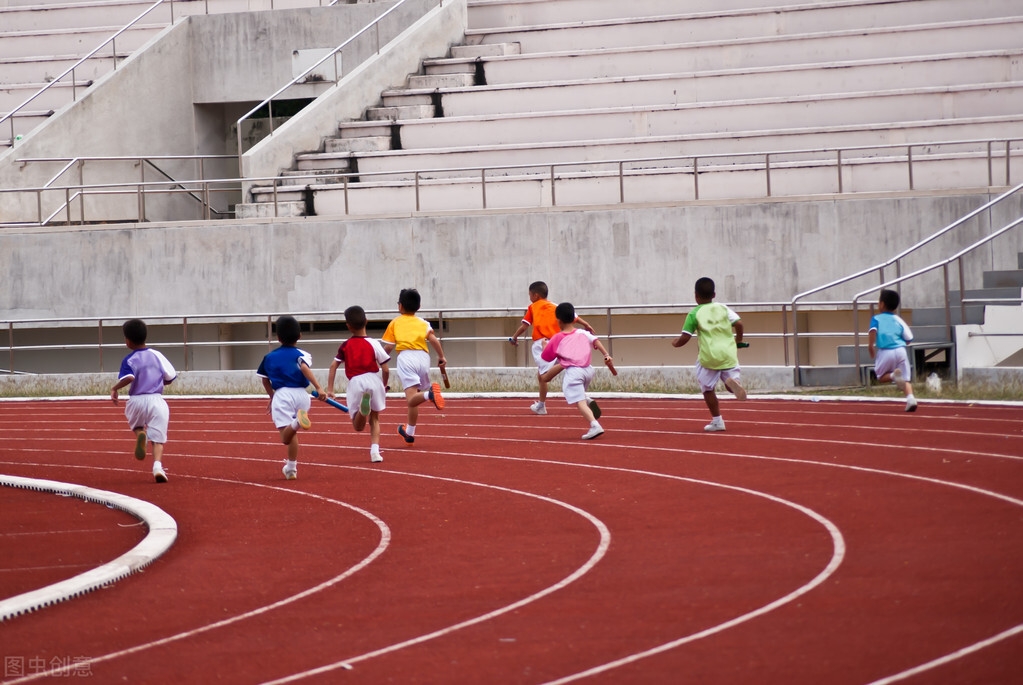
column 705, row 288
column 355, row 317
column 538, row 287
column 890, row 300
column 288, row 330
column 565, row 312
column 410, row 300
column 135, row 331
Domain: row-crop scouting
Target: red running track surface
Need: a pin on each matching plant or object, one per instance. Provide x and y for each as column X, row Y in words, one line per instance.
column 813, row 542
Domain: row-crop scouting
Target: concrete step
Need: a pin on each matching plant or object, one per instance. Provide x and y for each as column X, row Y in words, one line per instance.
column 438, row 81
column 984, row 293
column 488, row 13
column 842, row 109
column 58, row 16
column 400, row 113
column 924, row 334
column 318, row 176
column 761, row 51
column 935, row 316
column 53, row 98
column 717, row 25
column 720, row 85
column 48, row 68
column 1004, row 279
column 24, row 122
column 266, row 211
column 345, row 146
column 473, row 52
column 32, row 44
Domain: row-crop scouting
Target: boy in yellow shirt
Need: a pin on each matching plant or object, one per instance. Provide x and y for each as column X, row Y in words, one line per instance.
column 410, row 335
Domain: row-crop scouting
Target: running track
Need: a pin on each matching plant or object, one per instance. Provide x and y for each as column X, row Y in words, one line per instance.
column 814, row 542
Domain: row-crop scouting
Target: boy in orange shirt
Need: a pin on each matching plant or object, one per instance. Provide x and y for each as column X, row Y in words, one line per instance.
column 540, row 315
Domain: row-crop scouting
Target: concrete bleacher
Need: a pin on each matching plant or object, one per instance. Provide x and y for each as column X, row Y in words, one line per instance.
column 572, row 82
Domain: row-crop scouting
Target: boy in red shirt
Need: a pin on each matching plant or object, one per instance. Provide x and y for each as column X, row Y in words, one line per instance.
column 366, row 369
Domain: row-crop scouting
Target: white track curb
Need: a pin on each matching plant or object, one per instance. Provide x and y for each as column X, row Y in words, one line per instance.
column 163, row 530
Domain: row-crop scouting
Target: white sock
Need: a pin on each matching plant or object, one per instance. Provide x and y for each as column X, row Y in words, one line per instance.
column 157, row 465
column 374, row 449
column 291, row 464
column 410, row 430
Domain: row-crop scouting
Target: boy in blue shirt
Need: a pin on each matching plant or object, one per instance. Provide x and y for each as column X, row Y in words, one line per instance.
column 887, row 339
column 146, row 371
column 286, row 373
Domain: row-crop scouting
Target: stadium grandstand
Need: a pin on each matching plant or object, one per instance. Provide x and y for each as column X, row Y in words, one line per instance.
column 208, row 165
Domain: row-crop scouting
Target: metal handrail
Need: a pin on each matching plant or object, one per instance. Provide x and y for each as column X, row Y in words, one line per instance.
column 268, row 102
column 702, row 164
column 111, row 40
column 70, row 70
column 942, row 264
column 896, row 260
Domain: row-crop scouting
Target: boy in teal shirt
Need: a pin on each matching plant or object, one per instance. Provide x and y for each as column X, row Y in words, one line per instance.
column 712, row 323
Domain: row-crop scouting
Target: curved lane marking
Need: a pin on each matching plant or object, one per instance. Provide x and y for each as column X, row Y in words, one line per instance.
column 163, row 530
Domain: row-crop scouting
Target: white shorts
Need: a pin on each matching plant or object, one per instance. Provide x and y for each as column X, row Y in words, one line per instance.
column 286, row 403
column 414, row 369
column 541, row 365
column 576, row 382
column 362, row 384
column 150, row 412
column 709, row 378
column 886, row 361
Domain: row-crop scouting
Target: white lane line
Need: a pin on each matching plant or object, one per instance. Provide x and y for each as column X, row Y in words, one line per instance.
column 969, row 649
column 163, row 530
column 598, row 554
column 385, row 538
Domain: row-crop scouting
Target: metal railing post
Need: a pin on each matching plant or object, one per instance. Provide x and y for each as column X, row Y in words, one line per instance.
column 909, row 163
column 554, row 198
column 767, row 172
column 184, row 341
column 696, row 179
column 417, row 190
column 838, row 164
column 483, row 186
column 100, row 337
column 621, row 183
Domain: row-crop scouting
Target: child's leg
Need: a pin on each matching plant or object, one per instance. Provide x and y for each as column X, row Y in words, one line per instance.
column 359, row 421
column 711, row 398
column 414, row 397
column 140, row 443
column 584, row 409
column 289, row 436
column 374, row 437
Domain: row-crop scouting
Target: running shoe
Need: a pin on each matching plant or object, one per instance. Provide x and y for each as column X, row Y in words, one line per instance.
column 736, row 389
column 290, row 473
column 434, row 396
column 538, row 408
column 717, row 424
column 364, row 407
column 140, row 446
column 593, row 432
column 408, row 438
column 592, row 404
column 159, row 474
column 303, row 419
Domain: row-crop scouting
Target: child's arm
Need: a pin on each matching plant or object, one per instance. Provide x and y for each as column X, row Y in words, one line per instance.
column 872, row 342
column 580, row 321
column 738, row 331
column 126, row 381
column 331, row 373
column 681, row 340
column 432, row 338
column 385, row 374
column 311, row 377
column 514, row 340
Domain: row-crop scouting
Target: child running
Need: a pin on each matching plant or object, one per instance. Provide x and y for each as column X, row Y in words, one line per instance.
column 712, row 323
column 365, row 360
column 410, row 335
column 888, row 337
column 286, row 373
column 571, row 348
column 540, row 315
column 147, row 371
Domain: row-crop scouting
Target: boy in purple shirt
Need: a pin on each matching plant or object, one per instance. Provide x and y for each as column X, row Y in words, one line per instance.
column 572, row 349
column 146, row 371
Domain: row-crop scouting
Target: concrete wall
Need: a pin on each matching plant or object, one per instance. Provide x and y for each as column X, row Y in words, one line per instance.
column 430, row 36
column 168, row 114
column 756, row 251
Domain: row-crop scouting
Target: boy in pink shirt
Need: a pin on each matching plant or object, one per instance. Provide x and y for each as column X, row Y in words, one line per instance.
column 572, row 349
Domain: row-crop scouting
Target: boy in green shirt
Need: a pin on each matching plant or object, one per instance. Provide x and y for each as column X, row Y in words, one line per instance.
column 712, row 323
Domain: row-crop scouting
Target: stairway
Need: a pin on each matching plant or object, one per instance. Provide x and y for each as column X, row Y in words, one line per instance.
column 933, row 348
column 580, row 87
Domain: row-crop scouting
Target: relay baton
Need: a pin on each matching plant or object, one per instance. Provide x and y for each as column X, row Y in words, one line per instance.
column 611, row 367
column 444, row 375
column 333, row 403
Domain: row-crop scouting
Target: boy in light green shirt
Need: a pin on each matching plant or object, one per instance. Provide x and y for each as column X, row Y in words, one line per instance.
column 712, row 323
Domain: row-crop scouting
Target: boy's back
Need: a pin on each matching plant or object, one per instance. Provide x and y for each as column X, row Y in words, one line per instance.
column 283, row 367
column 407, row 332
column 712, row 324
column 892, row 331
column 150, row 369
